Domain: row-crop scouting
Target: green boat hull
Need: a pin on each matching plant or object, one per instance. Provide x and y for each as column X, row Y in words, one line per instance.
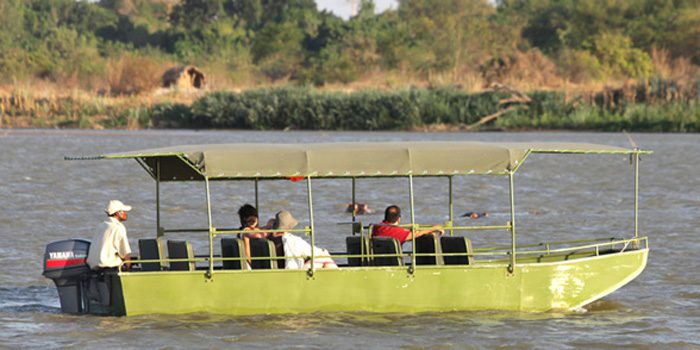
column 533, row 287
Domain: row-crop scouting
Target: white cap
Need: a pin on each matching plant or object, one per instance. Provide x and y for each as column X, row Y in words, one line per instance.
column 115, row 206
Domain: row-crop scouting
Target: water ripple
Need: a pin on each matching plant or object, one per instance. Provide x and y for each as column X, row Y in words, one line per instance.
column 660, row 309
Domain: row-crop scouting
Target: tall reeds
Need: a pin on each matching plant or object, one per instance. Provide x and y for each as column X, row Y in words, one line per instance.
column 655, row 104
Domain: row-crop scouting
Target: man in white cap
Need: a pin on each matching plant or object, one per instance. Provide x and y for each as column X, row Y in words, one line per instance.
column 110, row 247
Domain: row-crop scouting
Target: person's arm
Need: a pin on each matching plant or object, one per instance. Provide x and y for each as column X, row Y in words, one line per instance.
column 246, row 243
column 436, row 229
column 433, row 229
column 123, row 247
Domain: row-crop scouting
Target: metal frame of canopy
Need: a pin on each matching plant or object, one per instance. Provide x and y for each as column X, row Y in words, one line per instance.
column 184, row 155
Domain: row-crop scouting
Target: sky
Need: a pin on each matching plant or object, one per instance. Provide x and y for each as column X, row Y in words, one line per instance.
column 343, row 8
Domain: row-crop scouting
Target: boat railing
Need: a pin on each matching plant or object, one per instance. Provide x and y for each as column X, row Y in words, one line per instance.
column 184, row 230
column 163, row 260
column 446, row 228
column 595, row 246
column 306, row 230
column 230, row 230
column 548, row 245
column 205, row 259
column 625, row 243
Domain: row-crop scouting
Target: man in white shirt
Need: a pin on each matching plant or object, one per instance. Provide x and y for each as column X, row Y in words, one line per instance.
column 110, row 247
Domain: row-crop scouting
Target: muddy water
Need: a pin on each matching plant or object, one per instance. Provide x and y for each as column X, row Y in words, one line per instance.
column 44, row 198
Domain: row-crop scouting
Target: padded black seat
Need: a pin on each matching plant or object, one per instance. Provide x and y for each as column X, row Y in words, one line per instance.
column 152, row 249
column 428, row 244
column 358, row 245
column 181, row 250
column 456, row 244
column 386, row 245
column 279, row 250
column 232, row 248
column 262, row 248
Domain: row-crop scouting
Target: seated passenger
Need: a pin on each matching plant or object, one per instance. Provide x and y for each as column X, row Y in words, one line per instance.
column 296, row 249
column 250, row 222
column 389, row 227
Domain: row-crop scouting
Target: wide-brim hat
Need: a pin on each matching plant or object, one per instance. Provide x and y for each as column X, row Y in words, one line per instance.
column 115, row 206
column 284, row 221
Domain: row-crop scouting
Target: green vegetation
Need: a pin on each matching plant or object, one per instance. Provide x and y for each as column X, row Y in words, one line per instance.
column 258, row 42
column 587, row 64
column 649, row 106
column 300, row 108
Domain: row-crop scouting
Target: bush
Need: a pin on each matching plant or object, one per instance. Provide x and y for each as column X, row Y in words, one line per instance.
column 168, row 115
column 305, row 109
column 617, row 53
column 301, row 108
column 582, row 66
column 132, row 74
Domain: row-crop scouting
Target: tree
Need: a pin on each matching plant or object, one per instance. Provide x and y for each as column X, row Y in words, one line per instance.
column 194, row 14
column 277, row 49
column 445, row 34
column 615, row 51
column 11, row 22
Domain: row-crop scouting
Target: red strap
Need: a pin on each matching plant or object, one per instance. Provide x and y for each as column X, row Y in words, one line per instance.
column 52, row 264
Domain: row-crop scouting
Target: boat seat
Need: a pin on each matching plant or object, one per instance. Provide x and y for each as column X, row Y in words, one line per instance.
column 232, row 248
column 180, row 250
column 152, row 249
column 386, row 245
column 457, row 244
column 279, row 250
column 428, row 244
column 262, row 248
column 357, row 245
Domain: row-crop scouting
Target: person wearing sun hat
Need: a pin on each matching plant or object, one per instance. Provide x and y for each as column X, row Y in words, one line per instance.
column 296, row 250
column 110, row 247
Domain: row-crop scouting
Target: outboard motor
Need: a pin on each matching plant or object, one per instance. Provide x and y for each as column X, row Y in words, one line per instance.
column 65, row 263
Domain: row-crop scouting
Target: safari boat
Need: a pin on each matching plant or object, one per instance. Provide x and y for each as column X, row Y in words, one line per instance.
column 437, row 273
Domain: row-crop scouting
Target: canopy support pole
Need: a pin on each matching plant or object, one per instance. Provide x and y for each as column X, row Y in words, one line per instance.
column 210, row 271
column 636, row 195
column 412, row 268
column 511, row 267
column 257, row 203
column 159, row 230
column 311, row 270
column 451, row 204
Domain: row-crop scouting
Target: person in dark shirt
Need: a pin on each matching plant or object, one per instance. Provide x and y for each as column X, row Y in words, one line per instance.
column 250, row 221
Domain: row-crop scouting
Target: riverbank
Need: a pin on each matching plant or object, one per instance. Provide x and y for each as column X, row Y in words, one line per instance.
column 654, row 105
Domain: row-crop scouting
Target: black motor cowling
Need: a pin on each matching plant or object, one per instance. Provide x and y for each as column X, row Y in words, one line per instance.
column 66, row 259
column 65, row 263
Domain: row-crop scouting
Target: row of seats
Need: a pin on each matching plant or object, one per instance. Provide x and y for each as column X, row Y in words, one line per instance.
column 434, row 248
column 152, row 249
column 458, row 248
column 267, row 249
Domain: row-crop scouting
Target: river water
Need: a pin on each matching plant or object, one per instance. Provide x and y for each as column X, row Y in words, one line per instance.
column 45, row 198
